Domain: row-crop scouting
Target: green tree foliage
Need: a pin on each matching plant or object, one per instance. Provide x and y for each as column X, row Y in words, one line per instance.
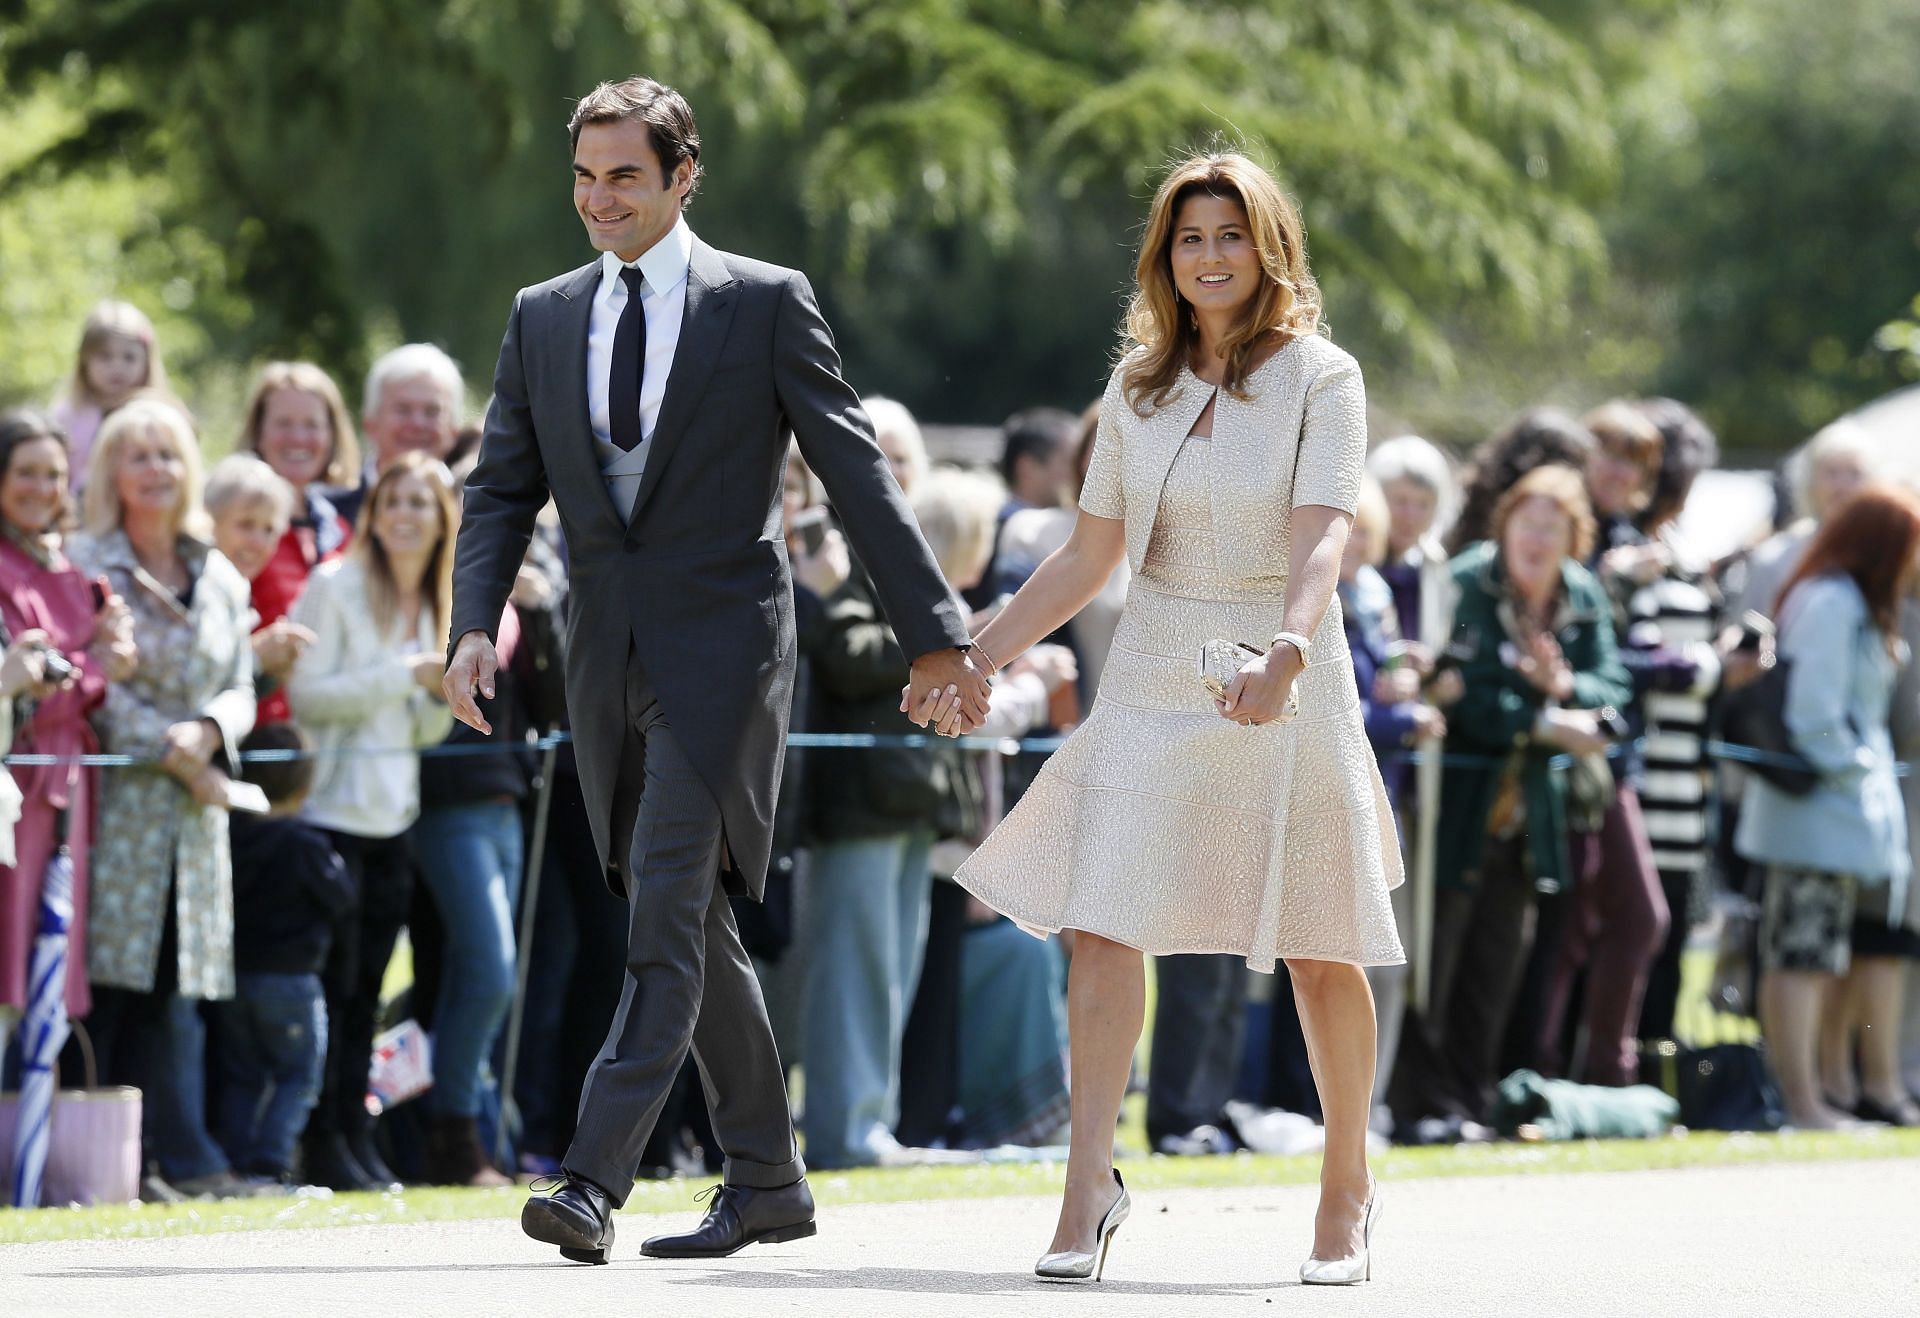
column 962, row 177
column 1769, row 212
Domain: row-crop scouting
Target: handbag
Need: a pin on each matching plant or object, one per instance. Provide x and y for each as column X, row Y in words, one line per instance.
column 1723, row 1086
column 1221, row 662
column 1755, row 717
column 94, row 1154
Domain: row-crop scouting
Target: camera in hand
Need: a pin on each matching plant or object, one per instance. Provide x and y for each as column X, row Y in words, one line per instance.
column 56, row 667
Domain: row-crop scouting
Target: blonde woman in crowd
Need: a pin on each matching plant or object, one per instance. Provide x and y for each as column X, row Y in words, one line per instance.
column 368, row 692
column 161, row 934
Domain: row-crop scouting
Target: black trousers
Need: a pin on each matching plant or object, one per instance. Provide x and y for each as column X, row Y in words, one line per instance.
column 689, row 984
column 382, row 872
column 1483, row 933
column 1199, row 1022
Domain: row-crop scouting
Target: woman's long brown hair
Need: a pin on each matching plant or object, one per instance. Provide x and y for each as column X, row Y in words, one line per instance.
column 1874, row 537
column 1158, row 319
column 436, row 588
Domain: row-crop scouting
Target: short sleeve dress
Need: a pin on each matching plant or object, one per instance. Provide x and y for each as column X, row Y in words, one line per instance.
column 1159, row 824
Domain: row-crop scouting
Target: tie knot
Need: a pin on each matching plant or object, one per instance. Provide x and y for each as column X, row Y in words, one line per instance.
column 634, row 279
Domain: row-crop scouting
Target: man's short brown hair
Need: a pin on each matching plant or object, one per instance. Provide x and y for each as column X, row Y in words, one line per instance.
column 665, row 112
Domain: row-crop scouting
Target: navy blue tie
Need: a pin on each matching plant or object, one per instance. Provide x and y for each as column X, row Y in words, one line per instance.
column 628, row 366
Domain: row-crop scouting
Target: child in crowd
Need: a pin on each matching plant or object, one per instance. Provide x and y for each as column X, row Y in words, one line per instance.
column 118, row 358
column 289, row 890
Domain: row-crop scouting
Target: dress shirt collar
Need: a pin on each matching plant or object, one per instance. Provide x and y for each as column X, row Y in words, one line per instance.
column 664, row 264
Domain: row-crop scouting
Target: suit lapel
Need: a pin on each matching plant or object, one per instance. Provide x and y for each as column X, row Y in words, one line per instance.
column 1169, row 428
column 703, row 330
column 573, row 312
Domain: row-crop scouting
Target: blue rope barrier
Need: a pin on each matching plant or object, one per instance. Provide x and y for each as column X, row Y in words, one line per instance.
column 1718, row 750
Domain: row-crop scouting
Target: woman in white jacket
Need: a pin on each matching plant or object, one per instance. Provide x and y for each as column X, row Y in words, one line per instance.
column 368, row 693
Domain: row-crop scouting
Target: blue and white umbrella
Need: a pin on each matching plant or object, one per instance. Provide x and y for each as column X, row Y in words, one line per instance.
column 44, row 1030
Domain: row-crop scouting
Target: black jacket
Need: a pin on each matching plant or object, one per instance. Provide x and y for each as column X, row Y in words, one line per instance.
column 289, row 889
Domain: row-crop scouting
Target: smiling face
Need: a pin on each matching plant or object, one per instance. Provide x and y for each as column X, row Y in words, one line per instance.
column 621, row 192
column 414, row 413
column 149, row 475
column 296, row 436
column 33, row 490
column 1216, row 263
column 247, row 531
column 406, row 520
column 1538, row 538
column 116, row 368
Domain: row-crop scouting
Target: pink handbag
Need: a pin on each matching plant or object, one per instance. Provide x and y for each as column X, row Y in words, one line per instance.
column 94, row 1157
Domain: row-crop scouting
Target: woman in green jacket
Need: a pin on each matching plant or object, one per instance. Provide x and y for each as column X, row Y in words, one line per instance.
column 1534, row 646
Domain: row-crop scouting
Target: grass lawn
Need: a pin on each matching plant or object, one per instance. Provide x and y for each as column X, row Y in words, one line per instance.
column 978, row 1182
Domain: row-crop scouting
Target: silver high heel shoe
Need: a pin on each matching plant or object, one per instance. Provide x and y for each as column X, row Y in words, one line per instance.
column 1072, row 1265
column 1357, row 1267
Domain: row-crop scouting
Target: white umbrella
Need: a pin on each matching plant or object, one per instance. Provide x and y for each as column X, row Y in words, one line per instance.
column 43, row 1031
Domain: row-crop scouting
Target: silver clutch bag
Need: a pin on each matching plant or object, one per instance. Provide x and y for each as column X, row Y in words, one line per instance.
column 1221, row 661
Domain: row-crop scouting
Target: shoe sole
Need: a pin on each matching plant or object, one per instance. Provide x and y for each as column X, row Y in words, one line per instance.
column 779, row 1235
column 543, row 1225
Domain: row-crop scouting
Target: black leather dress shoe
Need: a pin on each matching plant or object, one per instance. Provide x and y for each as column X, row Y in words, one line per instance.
column 578, row 1217
column 740, row 1216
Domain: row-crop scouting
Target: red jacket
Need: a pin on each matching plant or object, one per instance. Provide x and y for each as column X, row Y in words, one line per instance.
column 321, row 537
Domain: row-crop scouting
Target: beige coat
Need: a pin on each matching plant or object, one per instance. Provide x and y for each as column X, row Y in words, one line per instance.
column 195, row 663
column 1310, row 392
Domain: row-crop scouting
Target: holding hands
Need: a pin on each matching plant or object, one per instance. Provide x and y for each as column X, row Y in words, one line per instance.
column 947, row 692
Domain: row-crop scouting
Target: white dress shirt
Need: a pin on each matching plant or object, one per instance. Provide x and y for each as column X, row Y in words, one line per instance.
column 663, row 303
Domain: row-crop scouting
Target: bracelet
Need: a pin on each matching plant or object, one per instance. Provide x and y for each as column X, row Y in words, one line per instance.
column 992, row 667
column 1301, row 643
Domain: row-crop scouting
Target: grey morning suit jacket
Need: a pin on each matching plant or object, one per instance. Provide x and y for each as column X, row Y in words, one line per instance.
column 697, row 583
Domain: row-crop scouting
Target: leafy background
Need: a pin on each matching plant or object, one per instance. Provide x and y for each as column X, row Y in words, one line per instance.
column 1506, row 202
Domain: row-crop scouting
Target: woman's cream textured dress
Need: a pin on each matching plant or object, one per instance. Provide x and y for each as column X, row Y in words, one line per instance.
column 1160, row 824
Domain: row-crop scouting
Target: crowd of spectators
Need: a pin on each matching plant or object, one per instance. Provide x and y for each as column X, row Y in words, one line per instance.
column 1541, row 659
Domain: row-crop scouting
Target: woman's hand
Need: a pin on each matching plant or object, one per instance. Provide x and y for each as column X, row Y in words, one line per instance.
column 1575, row 731
column 429, row 672
column 1428, row 722
column 208, row 786
column 1546, row 668
column 1054, row 665
column 190, row 747
column 25, row 667
column 1258, row 693
column 1396, row 686
column 277, row 647
column 826, row 571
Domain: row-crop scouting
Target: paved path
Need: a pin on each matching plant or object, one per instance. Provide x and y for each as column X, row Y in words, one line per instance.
column 1831, row 1239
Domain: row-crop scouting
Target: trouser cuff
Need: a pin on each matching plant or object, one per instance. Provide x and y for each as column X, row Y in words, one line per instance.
column 763, row 1175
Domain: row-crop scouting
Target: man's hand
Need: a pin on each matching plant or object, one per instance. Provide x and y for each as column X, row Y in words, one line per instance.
column 473, row 667
column 961, row 689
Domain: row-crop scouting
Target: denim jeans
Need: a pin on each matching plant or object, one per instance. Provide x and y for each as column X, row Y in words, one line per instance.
column 471, row 856
column 867, row 913
column 273, row 1051
column 156, row 1042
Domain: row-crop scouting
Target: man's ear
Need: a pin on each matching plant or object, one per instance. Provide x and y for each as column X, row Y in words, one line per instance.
column 683, row 178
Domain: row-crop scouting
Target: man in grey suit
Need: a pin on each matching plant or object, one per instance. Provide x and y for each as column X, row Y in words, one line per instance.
column 651, row 393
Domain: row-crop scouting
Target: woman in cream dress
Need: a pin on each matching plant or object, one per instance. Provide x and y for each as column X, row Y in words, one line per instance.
column 1228, row 463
